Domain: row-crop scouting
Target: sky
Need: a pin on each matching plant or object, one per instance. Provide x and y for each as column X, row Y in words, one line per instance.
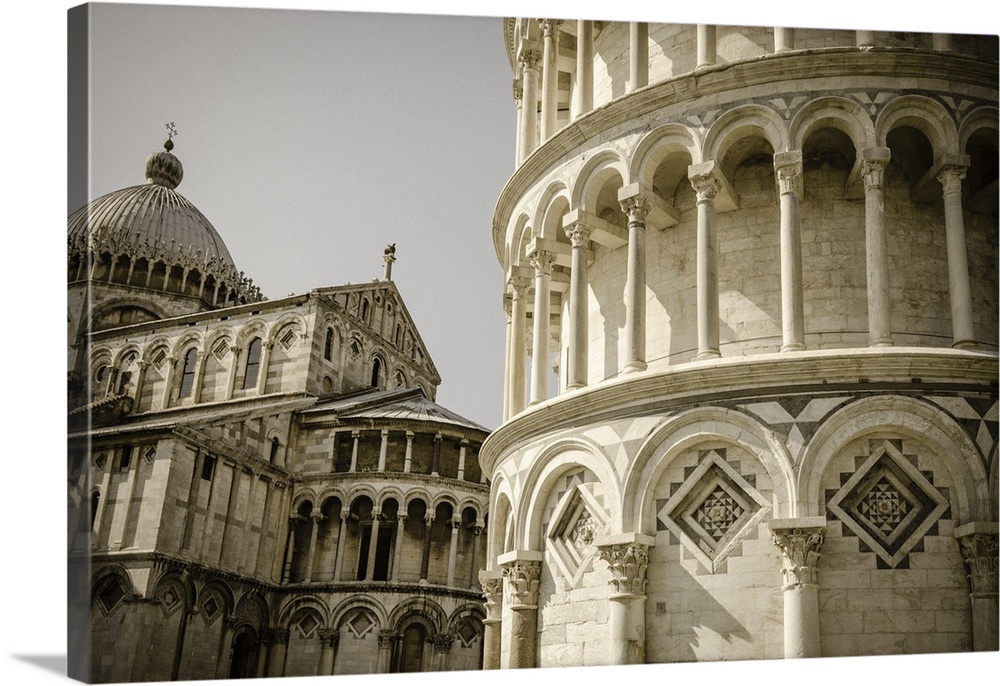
column 392, row 131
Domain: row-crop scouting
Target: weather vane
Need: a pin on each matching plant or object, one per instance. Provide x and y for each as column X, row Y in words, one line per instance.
column 171, row 130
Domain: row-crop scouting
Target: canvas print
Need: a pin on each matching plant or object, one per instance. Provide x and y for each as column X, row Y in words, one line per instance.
column 405, row 343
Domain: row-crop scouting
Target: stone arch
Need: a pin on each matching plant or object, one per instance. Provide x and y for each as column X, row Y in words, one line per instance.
column 304, row 496
column 554, row 203
column 976, row 120
column 924, row 114
column 500, row 539
column 390, row 493
column 358, row 601
column 599, row 170
column 100, row 317
column 110, row 586
column 725, row 140
column 521, row 233
column 680, row 432
column 185, row 342
column 908, row 417
column 224, row 600
column 445, row 498
column 362, row 491
column 834, row 112
column 420, row 606
column 412, row 494
column 298, row 603
column 545, row 469
column 658, row 146
column 254, row 328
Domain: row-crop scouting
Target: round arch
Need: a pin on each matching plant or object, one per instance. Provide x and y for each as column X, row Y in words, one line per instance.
column 835, row 112
column 546, row 468
column 598, row 170
column 657, row 146
column 740, row 123
column 926, row 115
column 914, row 419
column 554, row 203
column 678, row 433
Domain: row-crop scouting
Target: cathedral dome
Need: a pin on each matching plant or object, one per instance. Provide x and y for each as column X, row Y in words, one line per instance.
column 151, row 237
column 154, row 214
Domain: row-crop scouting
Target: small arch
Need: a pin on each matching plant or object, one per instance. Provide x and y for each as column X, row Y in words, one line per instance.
column 922, row 114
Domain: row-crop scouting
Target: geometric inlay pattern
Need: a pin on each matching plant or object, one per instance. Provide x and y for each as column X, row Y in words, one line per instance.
column 361, row 623
column 468, row 632
column 888, row 503
column 110, row 596
column 713, row 510
column 211, row 608
column 577, row 520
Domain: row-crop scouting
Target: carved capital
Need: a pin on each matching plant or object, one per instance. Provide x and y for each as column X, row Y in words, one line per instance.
column 628, row 562
column 636, row 207
column 980, row 553
column 951, row 178
column 519, row 286
column 522, row 582
column 443, row 642
column 493, row 592
column 788, row 178
column 578, row 234
column 518, row 89
column 401, row 518
column 542, row 261
column 873, row 172
column 317, row 517
column 386, row 637
column 529, row 58
column 799, row 548
column 329, row 637
column 706, row 187
column 549, row 26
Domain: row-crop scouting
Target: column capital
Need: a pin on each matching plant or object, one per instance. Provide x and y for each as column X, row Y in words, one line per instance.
column 799, row 541
column 386, row 637
column 978, row 542
column 706, row 186
column 492, row 584
column 635, row 205
column 522, row 570
column 578, row 233
column 443, row 642
column 542, row 261
column 529, row 54
column 519, row 281
column 951, row 172
column 873, row 162
column 401, row 518
column 317, row 517
column 518, row 89
column 329, row 637
column 550, row 25
column 627, row 556
column 788, row 170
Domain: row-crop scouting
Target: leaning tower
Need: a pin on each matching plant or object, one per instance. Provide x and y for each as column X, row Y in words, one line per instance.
column 751, row 375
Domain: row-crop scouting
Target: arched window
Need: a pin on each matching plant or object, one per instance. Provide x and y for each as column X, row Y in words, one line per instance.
column 376, row 372
column 95, row 500
column 187, row 374
column 253, row 364
column 364, row 310
column 328, row 346
column 275, row 445
column 398, row 338
column 410, row 657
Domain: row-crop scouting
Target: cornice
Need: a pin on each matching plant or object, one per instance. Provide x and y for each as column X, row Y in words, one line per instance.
column 882, row 370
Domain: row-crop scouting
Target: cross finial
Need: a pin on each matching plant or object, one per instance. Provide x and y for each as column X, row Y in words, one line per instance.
column 171, row 130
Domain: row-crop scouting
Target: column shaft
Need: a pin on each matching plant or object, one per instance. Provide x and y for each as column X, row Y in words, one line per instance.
column 583, row 89
column 706, row 45
column 876, row 248
column 397, row 553
column 576, row 376
column 518, row 343
column 784, row 39
column 383, row 450
column 453, row 551
column 542, row 262
column 959, row 289
column 707, row 278
column 550, row 77
column 341, row 540
column 636, row 207
column 788, row 169
column 638, row 58
column 529, row 100
column 372, row 547
column 800, row 541
column 492, row 584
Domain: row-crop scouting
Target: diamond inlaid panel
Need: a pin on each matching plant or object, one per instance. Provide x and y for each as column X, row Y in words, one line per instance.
column 576, row 521
column 888, row 503
column 713, row 509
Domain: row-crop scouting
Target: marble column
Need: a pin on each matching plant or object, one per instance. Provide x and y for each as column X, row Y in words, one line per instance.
column 329, row 640
column 784, row 39
column 528, row 59
column 636, row 207
column 425, row 556
column 383, row 450
column 373, row 546
column 265, row 362
column 865, row 39
column 477, row 530
column 583, row 87
column 638, row 56
column 978, row 541
column 279, row 652
column 354, row 451
column 579, row 235
column 627, row 556
column 234, row 366
column 706, row 187
column 521, row 570
column 874, row 161
column 199, row 374
column 941, row 42
column 706, row 45
column 518, row 118
column 788, row 169
column 800, row 541
column 456, row 526
column 316, row 518
column 542, row 261
column 408, row 459
column 550, row 76
column 959, row 290
column 506, row 355
column 286, row 574
column 518, row 341
column 397, row 553
column 386, row 641
column 345, row 514
column 492, row 584
column 463, row 448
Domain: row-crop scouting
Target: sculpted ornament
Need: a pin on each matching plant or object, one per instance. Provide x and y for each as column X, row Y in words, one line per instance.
column 578, row 234
column 542, row 261
column 493, row 590
column 386, row 637
column 443, row 642
column 980, row 553
column 522, row 581
column 873, row 172
column 628, row 567
column 800, row 553
column 951, row 179
column 636, row 207
column 706, row 187
column 788, row 179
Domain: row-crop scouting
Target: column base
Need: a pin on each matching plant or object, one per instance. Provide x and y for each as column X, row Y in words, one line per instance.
column 880, row 343
column 964, row 345
column 792, row 347
column 709, row 354
column 636, row 366
column 575, row 386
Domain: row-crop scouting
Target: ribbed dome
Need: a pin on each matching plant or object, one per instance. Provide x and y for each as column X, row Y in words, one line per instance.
column 153, row 214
